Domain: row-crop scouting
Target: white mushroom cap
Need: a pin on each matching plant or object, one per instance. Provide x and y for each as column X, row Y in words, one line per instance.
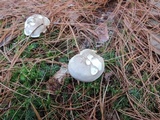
column 35, row 25
column 86, row 66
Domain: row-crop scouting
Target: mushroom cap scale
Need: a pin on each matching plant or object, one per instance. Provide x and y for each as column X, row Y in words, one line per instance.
column 86, row 66
column 97, row 63
column 35, row 25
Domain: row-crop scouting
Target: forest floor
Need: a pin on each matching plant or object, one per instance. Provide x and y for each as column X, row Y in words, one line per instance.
column 124, row 32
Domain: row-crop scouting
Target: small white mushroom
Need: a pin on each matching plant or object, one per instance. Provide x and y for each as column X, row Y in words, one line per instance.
column 86, row 66
column 35, row 25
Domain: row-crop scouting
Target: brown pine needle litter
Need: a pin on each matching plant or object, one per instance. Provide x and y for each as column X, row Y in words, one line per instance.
column 128, row 38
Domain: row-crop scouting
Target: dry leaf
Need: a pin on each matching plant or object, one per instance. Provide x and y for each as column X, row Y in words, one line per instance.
column 73, row 16
column 98, row 1
column 108, row 75
column 155, row 2
column 55, row 82
column 7, row 37
column 155, row 42
column 102, row 32
column 111, row 115
column 154, row 11
column 153, row 22
column 61, row 74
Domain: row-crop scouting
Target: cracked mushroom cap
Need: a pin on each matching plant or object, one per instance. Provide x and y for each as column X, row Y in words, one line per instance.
column 86, row 66
column 35, row 25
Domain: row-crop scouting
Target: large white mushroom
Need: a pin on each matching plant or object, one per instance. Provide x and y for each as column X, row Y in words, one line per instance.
column 86, row 66
column 35, row 25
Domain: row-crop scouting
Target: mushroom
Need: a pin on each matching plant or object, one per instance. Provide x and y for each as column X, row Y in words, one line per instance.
column 35, row 25
column 86, row 66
